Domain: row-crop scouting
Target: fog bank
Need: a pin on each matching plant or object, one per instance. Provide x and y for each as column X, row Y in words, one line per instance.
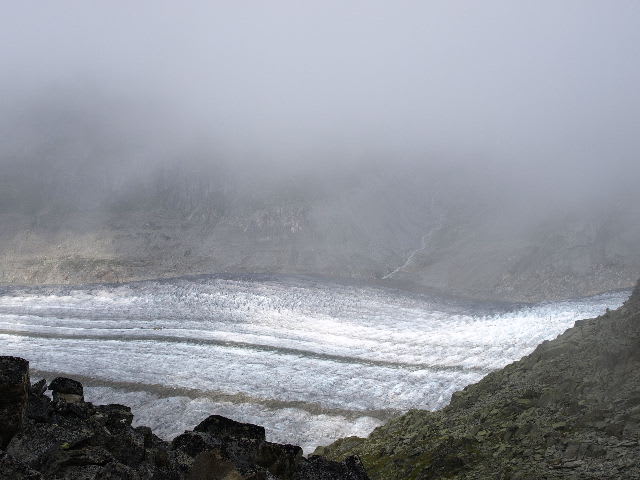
column 357, row 122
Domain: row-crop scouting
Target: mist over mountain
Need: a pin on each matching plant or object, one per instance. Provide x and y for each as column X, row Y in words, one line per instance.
column 483, row 150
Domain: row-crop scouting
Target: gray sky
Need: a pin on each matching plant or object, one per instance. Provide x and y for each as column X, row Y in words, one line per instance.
column 541, row 90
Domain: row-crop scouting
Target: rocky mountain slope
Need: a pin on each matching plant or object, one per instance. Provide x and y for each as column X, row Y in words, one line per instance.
column 413, row 230
column 571, row 409
column 68, row 438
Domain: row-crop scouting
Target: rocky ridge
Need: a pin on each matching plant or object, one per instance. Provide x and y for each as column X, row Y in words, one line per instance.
column 66, row 437
column 413, row 229
column 570, row 409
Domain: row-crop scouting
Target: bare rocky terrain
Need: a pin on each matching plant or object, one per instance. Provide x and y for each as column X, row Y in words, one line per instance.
column 570, row 410
column 397, row 231
column 65, row 437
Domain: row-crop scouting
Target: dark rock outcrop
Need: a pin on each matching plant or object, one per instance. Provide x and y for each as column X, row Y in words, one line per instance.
column 14, row 394
column 68, row 438
column 67, row 389
column 225, row 428
column 570, row 409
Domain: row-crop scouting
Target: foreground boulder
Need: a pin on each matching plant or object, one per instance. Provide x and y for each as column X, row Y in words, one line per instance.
column 14, row 392
column 67, row 389
column 68, row 438
column 571, row 409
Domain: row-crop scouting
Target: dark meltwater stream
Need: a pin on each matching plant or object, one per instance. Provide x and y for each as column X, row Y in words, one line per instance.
column 311, row 360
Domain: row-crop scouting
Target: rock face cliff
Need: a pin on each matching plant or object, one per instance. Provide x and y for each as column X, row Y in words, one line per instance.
column 571, row 409
column 68, row 438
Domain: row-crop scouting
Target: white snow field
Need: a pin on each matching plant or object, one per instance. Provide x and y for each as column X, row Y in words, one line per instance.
column 312, row 360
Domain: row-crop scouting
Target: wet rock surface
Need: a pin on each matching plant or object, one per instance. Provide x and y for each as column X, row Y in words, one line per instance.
column 571, row 409
column 68, row 438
